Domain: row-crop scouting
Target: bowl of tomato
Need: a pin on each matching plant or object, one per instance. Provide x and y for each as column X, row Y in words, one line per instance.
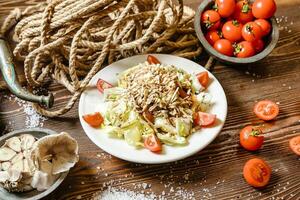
column 237, row 32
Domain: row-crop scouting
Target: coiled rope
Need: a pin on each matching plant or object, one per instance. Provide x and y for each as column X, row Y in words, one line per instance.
column 69, row 41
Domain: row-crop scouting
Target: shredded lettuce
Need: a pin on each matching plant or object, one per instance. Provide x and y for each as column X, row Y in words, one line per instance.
column 172, row 139
column 183, row 127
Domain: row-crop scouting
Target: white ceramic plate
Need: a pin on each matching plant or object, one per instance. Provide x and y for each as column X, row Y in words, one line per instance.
column 91, row 101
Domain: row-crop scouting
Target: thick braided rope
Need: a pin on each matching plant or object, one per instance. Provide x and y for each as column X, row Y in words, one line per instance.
column 69, row 41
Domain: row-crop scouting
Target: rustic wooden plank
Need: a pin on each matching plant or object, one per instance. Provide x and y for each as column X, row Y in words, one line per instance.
column 215, row 172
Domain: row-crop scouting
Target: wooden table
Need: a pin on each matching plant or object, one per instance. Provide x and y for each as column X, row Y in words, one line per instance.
column 215, row 172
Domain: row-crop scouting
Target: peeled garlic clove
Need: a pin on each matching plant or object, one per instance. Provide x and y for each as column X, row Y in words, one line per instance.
column 42, row 181
column 4, row 176
column 26, row 165
column 14, row 175
column 6, row 154
column 5, row 165
column 14, row 143
column 17, row 166
column 17, row 157
column 27, row 141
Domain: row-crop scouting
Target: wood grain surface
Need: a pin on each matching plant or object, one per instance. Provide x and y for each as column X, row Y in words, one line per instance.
column 215, row 172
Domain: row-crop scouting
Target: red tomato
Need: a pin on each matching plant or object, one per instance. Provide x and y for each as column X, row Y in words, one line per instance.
column 263, row 9
column 152, row 60
column 244, row 49
column 243, row 12
column 258, row 45
column 204, row 119
column 213, row 36
column 211, row 19
column 266, row 110
column 153, row 144
column 295, row 145
column 102, row 85
column 232, row 31
column 203, row 78
column 264, row 25
column 251, row 31
column 94, row 120
column 224, row 46
column 225, row 7
column 251, row 138
column 257, row 172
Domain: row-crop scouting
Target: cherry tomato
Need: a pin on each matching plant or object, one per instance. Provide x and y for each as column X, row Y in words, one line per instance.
column 244, row 49
column 211, row 19
column 243, row 12
column 258, row 45
column 153, row 144
column 203, row 78
column 224, row 46
column 264, row 25
column 148, row 115
column 213, row 36
column 152, row 60
column 257, row 172
column 295, row 144
column 102, row 85
column 225, row 7
column 266, row 110
column 232, row 31
column 94, row 120
column 251, row 31
column 204, row 119
column 251, row 138
column 263, row 9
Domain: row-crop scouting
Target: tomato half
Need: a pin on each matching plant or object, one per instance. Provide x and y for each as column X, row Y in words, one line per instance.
column 204, row 119
column 257, row 172
column 213, row 36
column 251, row 32
column 203, row 78
column 243, row 12
column 153, row 144
column 224, row 46
column 266, row 110
column 251, row 138
column 232, row 31
column 258, row 45
column 244, row 49
column 102, row 85
column 295, row 145
column 264, row 25
column 263, row 9
column 210, row 19
column 225, row 7
column 94, row 120
column 152, row 60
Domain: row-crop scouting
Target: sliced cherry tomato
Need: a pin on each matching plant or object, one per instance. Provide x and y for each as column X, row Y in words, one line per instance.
column 153, row 144
column 204, row 119
column 211, row 19
column 203, row 78
column 213, row 36
column 94, row 120
column 224, row 46
column 257, row 172
column 258, row 45
column 148, row 115
column 266, row 110
column 264, row 25
column 244, row 49
column 251, row 138
column 102, row 85
column 251, row 32
column 232, row 31
column 225, row 7
column 152, row 60
column 295, row 145
column 243, row 12
column 263, row 9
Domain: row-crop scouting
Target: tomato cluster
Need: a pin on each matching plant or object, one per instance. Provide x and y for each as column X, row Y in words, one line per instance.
column 238, row 28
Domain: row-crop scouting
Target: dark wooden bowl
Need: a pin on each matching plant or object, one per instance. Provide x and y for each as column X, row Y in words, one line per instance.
column 270, row 41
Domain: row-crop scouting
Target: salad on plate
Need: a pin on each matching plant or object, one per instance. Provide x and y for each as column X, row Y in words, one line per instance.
column 154, row 104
